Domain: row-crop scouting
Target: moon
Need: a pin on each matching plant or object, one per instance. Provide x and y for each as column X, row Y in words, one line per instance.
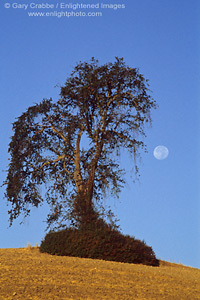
column 161, row 152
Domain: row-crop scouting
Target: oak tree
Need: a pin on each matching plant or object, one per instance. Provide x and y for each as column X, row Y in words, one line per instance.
column 66, row 152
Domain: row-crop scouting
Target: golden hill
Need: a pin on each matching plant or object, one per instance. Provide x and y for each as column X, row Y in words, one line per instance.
column 28, row 274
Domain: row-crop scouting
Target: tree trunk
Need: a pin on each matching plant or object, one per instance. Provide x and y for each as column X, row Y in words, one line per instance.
column 84, row 211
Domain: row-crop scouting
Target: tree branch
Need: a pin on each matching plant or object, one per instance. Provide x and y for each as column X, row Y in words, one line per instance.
column 77, row 173
column 61, row 157
column 57, row 131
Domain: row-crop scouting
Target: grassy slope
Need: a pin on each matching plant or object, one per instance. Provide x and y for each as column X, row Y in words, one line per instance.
column 28, row 274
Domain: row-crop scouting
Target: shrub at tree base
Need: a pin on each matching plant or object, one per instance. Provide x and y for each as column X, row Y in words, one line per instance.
column 99, row 243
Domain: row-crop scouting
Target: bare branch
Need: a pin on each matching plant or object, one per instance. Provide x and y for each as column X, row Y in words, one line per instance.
column 61, row 157
column 65, row 168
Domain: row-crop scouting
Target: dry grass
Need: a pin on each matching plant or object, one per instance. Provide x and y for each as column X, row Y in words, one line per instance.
column 27, row 274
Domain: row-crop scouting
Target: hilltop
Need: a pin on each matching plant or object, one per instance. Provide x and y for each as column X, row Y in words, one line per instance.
column 25, row 273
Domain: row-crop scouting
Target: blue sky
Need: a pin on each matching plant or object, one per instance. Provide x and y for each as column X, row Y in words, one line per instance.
column 159, row 37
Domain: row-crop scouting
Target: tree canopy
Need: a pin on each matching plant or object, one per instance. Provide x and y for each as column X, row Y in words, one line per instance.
column 107, row 106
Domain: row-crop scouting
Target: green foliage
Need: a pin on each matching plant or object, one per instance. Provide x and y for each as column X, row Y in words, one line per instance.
column 98, row 242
